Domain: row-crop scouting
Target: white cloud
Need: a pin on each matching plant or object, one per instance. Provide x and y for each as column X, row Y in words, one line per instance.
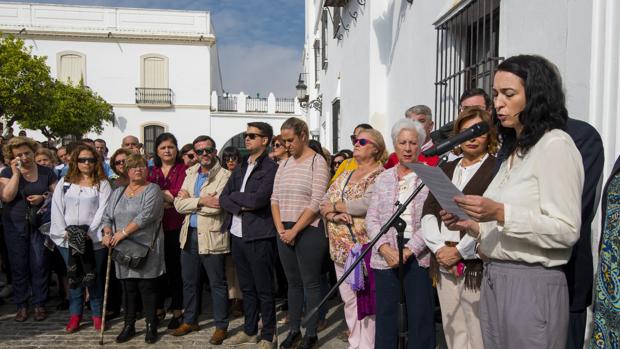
column 253, row 68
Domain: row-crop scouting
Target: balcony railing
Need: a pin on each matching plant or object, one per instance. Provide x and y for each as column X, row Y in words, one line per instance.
column 148, row 96
column 227, row 103
column 285, row 105
column 256, row 105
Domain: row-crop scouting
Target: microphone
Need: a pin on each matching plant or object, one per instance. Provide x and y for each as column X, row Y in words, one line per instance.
column 467, row 134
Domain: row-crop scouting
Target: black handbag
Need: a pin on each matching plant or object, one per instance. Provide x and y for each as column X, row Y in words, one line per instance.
column 128, row 252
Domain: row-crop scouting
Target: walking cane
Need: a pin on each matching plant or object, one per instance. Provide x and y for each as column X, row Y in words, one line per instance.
column 105, row 294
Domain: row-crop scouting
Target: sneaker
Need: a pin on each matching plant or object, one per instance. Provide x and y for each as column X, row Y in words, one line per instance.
column 241, row 338
column 265, row 344
column 6, row 291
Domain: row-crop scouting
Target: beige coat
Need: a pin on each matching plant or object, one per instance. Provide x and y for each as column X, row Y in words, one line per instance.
column 210, row 239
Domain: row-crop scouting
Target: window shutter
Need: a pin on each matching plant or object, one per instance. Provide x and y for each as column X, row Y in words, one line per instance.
column 71, row 68
column 155, row 72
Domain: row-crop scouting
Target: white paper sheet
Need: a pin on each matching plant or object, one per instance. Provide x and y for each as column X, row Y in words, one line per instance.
column 441, row 186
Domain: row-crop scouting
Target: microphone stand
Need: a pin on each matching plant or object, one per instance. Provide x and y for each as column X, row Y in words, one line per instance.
column 399, row 224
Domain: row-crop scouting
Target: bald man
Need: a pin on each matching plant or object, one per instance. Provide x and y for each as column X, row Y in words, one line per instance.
column 132, row 144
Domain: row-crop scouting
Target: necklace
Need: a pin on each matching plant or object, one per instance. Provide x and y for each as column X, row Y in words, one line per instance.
column 132, row 192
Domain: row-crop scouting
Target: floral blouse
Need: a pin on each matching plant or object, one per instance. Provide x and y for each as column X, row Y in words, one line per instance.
column 340, row 237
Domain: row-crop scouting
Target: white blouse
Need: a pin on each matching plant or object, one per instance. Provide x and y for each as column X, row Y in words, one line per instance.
column 435, row 237
column 541, row 193
column 79, row 206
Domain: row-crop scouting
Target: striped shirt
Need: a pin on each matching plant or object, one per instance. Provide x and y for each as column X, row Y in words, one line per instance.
column 300, row 185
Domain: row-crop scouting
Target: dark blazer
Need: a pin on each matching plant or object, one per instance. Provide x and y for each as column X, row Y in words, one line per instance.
column 255, row 200
column 579, row 269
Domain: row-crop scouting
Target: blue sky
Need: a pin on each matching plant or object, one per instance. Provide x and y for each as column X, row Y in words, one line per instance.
column 260, row 42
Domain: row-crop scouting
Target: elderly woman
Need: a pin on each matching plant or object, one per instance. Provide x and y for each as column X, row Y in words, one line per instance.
column 78, row 203
column 24, row 186
column 169, row 173
column 396, row 184
column 529, row 217
column 298, row 189
column 117, row 163
column 135, row 212
column 455, row 266
column 344, row 208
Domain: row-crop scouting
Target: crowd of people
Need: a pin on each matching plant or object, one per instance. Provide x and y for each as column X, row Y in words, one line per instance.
column 514, row 272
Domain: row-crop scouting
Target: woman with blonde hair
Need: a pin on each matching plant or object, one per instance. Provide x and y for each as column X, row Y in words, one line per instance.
column 455, row 267
column 78, row 204
column 344, row 208
column 24, row 186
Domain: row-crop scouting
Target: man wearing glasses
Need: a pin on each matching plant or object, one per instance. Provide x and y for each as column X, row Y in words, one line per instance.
column 203, row 244
column 246, row 200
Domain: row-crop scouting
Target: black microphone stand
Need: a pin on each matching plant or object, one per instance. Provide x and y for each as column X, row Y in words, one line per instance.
column 399, row 224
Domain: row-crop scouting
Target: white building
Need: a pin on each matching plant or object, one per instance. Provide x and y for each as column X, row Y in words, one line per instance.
column 369, row 61
column 157, row 68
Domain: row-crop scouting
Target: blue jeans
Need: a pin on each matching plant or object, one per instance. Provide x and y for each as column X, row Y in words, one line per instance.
column 95, row 292
column 420, row 303
column 214, row 265
column 29, row 267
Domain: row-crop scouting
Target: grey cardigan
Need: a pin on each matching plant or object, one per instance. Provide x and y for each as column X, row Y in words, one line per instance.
column 146, row 210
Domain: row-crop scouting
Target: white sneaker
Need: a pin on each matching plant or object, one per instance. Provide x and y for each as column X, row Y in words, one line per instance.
column 240, row 338
column 265, row 344
column 6, row 291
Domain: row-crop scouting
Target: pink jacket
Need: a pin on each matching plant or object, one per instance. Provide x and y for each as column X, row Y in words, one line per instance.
column 384, row 195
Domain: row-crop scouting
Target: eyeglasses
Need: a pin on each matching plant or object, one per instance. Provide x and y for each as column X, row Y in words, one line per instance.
column 337, row 164
column 362, row 142
column 207, row 150
column 277, row 145
column 87, row 160
column 353, row 138
column 251, row 135
column 119, row 162
column 189, row 156
column 231, row 159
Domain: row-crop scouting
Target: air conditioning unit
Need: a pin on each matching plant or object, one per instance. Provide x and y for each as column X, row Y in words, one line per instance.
column 336, row 3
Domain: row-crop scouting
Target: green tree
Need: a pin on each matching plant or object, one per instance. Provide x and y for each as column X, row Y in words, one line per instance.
column 75, row 110
column 25, row 82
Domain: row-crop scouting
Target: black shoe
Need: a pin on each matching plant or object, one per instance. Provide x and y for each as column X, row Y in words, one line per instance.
column 291, row 340
column 175, row 322
column 128, row 332
column 151, row 333
column 308, row 342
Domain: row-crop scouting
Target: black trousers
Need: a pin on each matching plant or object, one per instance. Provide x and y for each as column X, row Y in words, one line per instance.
column 576, row 329
column 172, row 282
column 255, row 262
column 146, row 289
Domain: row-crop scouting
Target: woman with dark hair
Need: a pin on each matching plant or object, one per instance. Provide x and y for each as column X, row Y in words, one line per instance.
column 299, row 186
column 117, row 163
column 23, row 188
column 278, row 149
column 230, row 158
column 455, row 268
column 529, row 217
column 79, row 200
column 188, row 155
column 169, row 173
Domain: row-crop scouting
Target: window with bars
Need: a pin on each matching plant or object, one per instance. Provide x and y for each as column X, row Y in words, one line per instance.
column 151, row 132
column 467, row 54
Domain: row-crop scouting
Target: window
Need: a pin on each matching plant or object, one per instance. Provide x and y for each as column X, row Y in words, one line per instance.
column 467, row 54
column 154, row 71
column 317, row 58
column 335, row 122
column 72, row 67
column 150, row 134
column 324, row 37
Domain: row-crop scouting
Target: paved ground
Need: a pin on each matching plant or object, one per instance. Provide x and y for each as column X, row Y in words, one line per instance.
column 51, row 334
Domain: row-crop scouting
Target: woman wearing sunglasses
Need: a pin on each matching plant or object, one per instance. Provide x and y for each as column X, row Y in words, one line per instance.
column 278, row 150
column 117, row 163
column 344, row 208
column 188, row 155
column 231, row 156
column 79, row 200
column 349, row 164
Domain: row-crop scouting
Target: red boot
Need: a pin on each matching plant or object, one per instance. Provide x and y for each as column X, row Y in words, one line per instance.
column 97, row 322
column 74, row 323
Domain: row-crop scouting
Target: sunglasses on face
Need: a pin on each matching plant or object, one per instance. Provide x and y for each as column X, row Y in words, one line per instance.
column 87, row 160
column 231, row 159
column 277, row 145
column 207, row 150
column 252, row 136
column 362, row 142
column 337, row 164
column 189, row 156
column 119, row 162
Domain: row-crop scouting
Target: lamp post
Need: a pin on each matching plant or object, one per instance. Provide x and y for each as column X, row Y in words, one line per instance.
column 303, row 97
